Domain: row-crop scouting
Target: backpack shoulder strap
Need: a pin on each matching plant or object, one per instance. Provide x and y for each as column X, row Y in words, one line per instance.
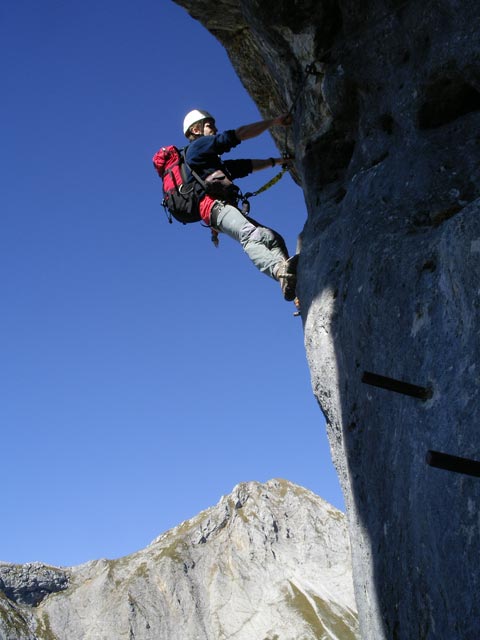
column 183, row 153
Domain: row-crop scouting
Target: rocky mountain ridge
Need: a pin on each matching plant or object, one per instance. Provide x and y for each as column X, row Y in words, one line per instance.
column 269, row 561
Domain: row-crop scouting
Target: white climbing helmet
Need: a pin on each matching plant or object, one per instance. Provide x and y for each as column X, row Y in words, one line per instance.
column 194, row 116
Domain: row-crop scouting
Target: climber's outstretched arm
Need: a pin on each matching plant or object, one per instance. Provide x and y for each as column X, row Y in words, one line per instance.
column 248, row 131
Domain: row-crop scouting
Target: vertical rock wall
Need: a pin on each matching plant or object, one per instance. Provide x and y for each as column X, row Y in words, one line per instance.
column 387, row 146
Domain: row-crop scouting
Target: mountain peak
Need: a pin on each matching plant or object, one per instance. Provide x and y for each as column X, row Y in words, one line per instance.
column 270, row 561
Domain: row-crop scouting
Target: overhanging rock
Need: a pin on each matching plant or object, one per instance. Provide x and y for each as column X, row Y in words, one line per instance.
column 387, row 153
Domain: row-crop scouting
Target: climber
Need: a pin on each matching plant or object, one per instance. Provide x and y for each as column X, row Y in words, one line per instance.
column 218, row 208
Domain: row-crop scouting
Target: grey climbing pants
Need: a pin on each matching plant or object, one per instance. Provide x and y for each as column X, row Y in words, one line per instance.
column 265, row 247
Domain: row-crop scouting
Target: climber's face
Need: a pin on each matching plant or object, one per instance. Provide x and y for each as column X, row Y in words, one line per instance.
column 209, row 128
column 204, row 127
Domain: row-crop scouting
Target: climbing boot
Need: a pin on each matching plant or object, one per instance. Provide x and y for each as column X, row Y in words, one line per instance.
column 287, row 276
column 298, row 311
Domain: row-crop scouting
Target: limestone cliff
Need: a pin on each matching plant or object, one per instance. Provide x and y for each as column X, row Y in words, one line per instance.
column 387, row 150
column 269, row 562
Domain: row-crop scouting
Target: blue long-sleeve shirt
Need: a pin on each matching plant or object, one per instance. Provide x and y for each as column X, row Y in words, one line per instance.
column 203, row 156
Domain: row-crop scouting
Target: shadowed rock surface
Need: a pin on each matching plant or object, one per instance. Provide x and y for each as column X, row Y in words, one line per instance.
column 31, row 583
column 387, row 145
column 270, row 561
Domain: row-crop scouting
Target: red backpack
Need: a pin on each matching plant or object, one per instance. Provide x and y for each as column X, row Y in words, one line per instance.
column 180, row 199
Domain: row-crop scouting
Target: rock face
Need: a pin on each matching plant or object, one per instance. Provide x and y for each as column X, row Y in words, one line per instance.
column 387, row 149
column 31, row 583
column 270, row 561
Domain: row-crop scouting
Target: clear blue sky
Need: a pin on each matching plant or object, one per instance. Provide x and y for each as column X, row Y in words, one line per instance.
column 144, row 373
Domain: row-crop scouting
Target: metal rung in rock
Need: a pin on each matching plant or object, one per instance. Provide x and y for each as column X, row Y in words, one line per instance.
column 453, row 463
column 399, row 386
